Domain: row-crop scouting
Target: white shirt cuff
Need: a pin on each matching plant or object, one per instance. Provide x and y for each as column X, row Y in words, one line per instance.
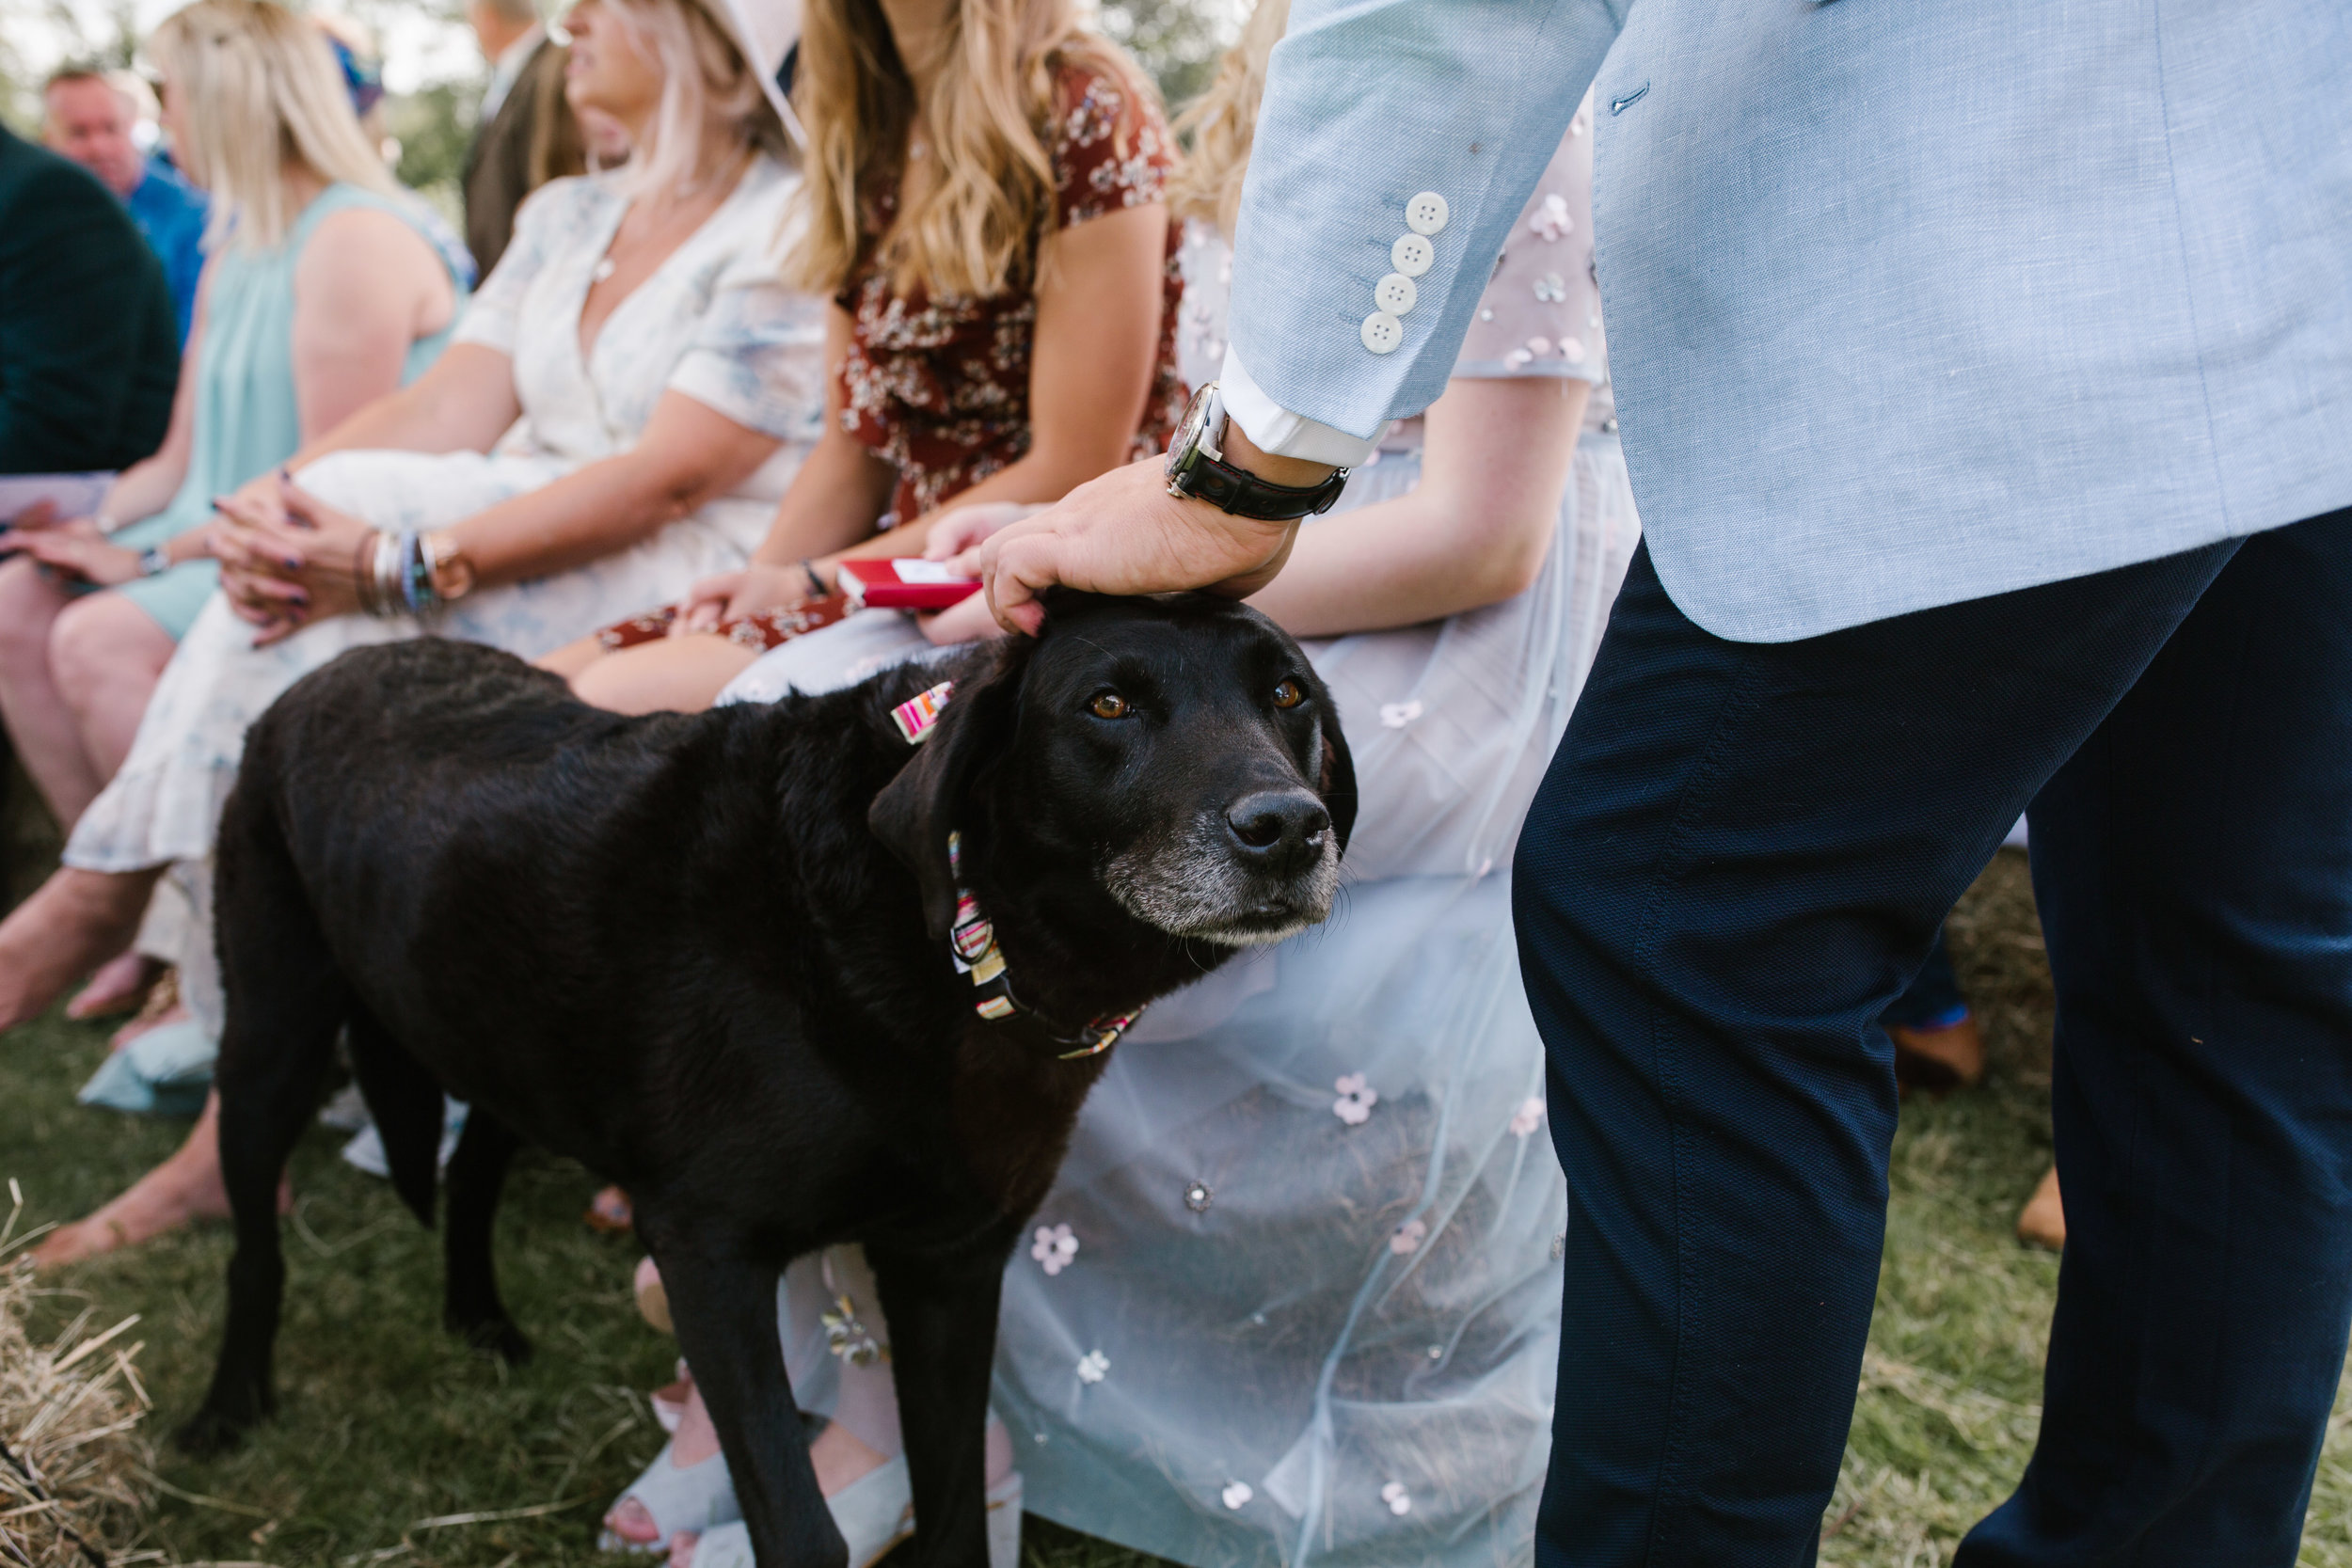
column 1278, row 432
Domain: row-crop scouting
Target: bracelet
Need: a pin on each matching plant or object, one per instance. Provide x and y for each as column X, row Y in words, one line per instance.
column 816, row 584
column 375, row 573
column 416, row 578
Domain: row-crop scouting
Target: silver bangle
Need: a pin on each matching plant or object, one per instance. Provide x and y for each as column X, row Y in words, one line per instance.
column 384, row 573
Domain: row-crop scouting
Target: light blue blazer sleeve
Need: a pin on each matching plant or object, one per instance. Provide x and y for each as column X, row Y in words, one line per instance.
column 1368, row 105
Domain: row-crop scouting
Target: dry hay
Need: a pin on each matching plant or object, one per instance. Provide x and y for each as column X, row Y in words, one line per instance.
column 73, row 1468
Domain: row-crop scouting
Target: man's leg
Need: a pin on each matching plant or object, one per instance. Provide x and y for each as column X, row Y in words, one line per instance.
column 2193, row 863
column 1736, row 863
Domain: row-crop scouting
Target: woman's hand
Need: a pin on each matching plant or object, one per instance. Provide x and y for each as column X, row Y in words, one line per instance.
column 282, row 575
column 964, row 527
column 263, row 497
column 732, row 595
column 77, row 551
column 965, row 621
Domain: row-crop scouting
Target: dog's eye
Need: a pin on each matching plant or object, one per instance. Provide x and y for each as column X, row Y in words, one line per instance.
column 1109, row 704
column 1289, row 694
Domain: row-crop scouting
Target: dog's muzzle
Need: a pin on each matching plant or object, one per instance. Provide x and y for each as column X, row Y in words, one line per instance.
column 1263, row 869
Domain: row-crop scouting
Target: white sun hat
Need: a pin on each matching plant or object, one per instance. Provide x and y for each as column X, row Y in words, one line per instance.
column 764, row 31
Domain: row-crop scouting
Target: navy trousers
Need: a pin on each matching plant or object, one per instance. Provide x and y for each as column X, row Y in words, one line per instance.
column 1742, row 855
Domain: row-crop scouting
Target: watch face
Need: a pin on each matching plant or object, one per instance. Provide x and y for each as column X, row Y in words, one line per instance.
column 1187, row 434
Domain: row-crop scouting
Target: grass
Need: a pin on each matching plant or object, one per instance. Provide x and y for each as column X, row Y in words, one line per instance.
column 395, row 1447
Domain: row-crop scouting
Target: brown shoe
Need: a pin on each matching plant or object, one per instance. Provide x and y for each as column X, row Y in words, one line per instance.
column 1938, row 1060
column 2043, row 1222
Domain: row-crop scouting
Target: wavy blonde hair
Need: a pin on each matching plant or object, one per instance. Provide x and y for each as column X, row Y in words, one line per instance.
column 991, row 118
column 710, row 95
column 1221, row 123
column 259, row 90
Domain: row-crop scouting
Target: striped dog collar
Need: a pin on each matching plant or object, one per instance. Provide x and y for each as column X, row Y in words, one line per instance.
column 972, row 943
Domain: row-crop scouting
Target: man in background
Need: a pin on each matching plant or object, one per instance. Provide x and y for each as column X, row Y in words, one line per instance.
column 88, row 357
column 90, row 115
column 525, row 66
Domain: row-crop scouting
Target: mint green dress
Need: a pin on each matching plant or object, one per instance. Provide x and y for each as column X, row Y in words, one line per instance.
column 247, row 421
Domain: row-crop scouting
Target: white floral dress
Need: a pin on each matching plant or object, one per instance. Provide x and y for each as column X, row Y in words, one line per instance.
column 711, row 323
column 1295, row 1298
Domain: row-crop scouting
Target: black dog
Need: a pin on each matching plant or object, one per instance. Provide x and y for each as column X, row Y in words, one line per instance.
column 722, row 959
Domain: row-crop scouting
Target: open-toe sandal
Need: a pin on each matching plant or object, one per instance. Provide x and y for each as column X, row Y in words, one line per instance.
column 697, row 1498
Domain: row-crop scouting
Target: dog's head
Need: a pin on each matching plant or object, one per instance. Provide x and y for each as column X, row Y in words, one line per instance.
column 1180, row 749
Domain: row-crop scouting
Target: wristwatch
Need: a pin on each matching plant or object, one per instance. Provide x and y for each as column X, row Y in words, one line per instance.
column 446, row 564
column 155, row 562
column 1197, row 470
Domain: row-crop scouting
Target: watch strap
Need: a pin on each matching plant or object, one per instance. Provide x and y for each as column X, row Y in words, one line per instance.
column 1245, row 495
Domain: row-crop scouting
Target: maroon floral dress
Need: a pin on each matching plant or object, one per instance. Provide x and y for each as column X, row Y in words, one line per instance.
column 939, row 387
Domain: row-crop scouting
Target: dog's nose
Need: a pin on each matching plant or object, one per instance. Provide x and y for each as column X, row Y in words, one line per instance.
column 1276, row 821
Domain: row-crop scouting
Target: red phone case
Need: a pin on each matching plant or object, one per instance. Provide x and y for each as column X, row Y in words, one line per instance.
column 906, row 582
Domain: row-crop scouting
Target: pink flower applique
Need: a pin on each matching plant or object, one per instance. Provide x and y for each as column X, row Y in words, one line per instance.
column 1236, row 1493
column 1355, row 1101
column 1529, row 1117
column 1399, row 1501
column 1395, row 716
column 1551, row 218
column 1408, row 1237
column 1054, row 1246
column 1093, row 1367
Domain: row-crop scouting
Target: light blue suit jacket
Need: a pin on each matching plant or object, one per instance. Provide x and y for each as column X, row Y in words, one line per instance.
column 1907, row 303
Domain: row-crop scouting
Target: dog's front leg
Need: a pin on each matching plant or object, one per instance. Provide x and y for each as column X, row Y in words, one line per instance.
column 942, row 1344
column 725, row 1308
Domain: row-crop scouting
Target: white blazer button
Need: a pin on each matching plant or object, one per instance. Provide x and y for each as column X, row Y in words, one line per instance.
column 1425, row 213
column 1412, row 255
column 1395, row 293
column 1382, row 332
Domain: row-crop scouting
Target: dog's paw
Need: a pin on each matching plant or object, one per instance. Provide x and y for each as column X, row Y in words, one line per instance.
column 498, row 1334
column 213, row 1431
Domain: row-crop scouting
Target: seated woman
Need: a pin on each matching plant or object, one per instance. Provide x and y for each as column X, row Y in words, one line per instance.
column 1294, row 1293
column 1001, row 267
column 627, row 398
column 327, row 287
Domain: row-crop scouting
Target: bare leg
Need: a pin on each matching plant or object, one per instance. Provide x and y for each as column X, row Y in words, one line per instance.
column 75, row 921
column 187, row 1187
column 677, row 674
column 39, row 719
column 572, row 657
column 106, row 654
column 119, row 985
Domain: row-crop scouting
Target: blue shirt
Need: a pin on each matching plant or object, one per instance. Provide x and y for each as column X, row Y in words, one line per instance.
column 171, row 213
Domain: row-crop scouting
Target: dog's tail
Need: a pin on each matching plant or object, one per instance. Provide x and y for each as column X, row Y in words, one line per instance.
column 405, row 1101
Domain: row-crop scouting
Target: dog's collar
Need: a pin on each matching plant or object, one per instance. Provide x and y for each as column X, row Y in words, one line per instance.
column 972, row 943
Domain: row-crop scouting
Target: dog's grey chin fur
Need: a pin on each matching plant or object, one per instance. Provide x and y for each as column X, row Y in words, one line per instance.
column 1196, row 890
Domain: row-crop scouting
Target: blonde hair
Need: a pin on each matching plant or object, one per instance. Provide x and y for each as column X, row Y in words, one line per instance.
column 1223, row 121
column 709, row 93
column 993, row 106
column 260, row 90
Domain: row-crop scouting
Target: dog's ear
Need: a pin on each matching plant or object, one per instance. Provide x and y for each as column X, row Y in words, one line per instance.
column 1335, row 780
column 917, row 811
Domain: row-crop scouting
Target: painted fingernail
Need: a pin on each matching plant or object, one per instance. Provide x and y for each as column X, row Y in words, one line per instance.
column 293, row 562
